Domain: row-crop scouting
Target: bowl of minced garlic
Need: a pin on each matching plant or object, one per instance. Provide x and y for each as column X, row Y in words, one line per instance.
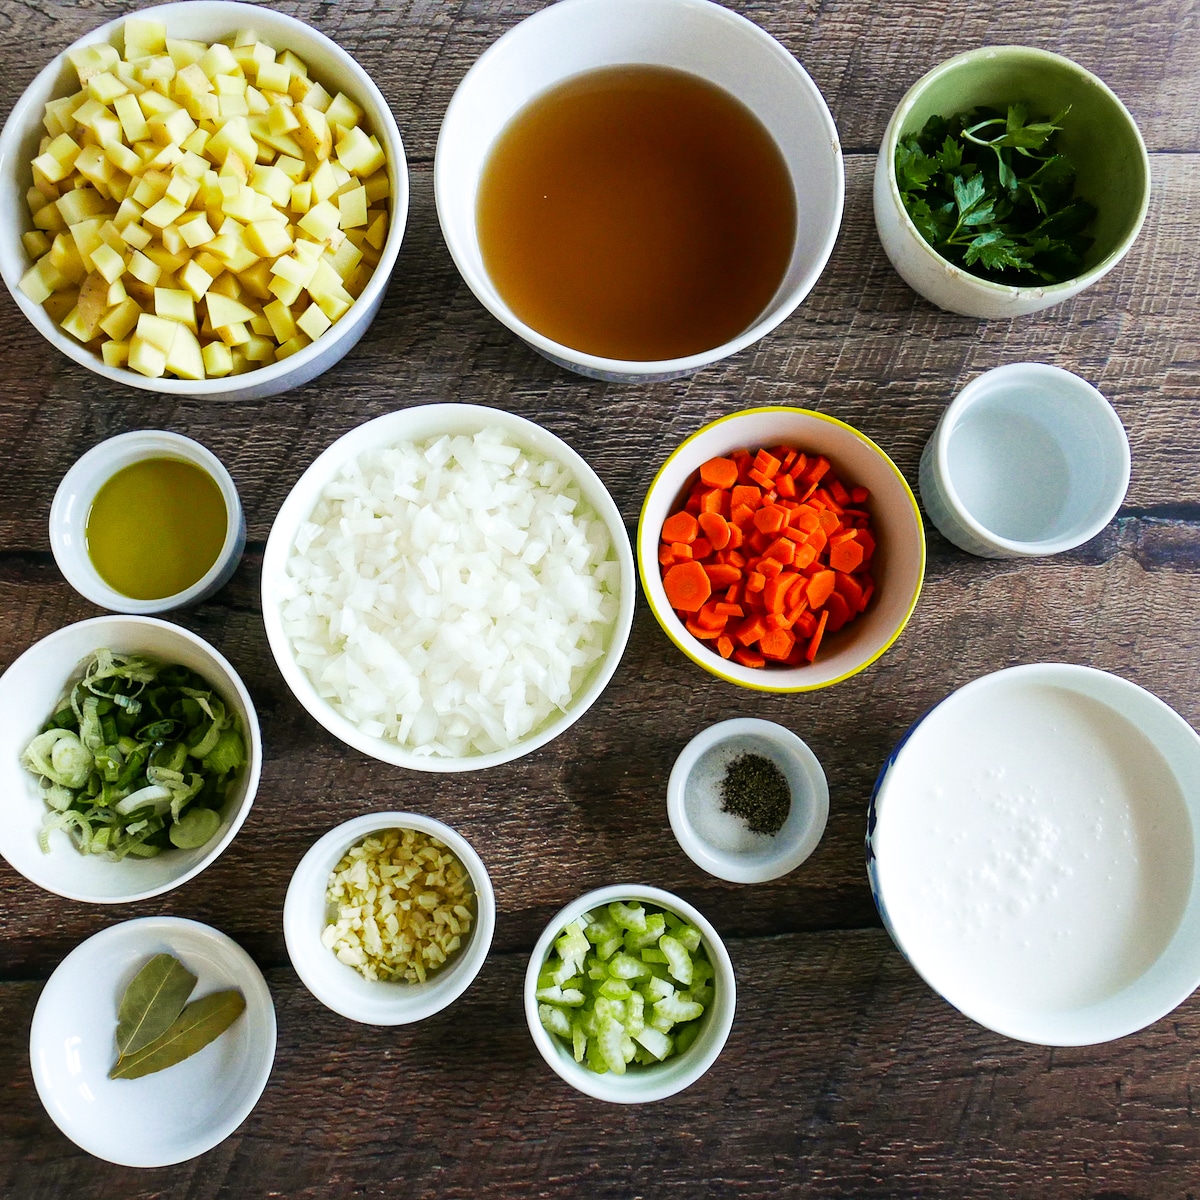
column 389, row 917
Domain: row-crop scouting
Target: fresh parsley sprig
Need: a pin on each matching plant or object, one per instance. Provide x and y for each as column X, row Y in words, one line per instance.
column 990, row 192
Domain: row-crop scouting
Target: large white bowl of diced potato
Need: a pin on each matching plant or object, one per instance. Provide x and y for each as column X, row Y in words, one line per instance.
column 204, row 198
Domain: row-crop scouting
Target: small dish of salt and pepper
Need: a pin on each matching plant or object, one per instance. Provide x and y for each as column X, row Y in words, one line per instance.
column 747, row 800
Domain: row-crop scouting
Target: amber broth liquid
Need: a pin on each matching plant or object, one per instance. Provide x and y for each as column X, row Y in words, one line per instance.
column 638, row 213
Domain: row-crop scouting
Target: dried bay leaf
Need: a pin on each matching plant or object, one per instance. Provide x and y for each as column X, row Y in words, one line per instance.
column 200, row 1023
column 152, row 1001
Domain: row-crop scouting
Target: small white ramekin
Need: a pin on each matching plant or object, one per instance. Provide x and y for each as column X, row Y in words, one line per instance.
column 801, row 832
column 639, row 1085
column 73, row 502
column 701, row 38
column 342, row 988
column 979, row 470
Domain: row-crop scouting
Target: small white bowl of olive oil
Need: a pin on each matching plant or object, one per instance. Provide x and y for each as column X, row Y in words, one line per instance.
column 147, row 522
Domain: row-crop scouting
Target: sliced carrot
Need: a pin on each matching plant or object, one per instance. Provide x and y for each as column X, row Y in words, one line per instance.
column 814, row 643
column 838, row 610
column 715, row 528
column 761, row 478
column 818, row 541
column 769, row 567
column 665, row 554
column 807, row 518
column 724, row 645
column 805, row 556
column 785, row 485
column 742, row 515
column 805, row 625
column 778, row 621
column 868, row 590
column 817, row 469
column 770, row 519
column 701, row 548
column 820, row 587
column 698, row 631
column 709, row 618
column 749, row 631
column 767, row 463
column 776, row 592
column 735, row 558
column 714, row 501
column 851, row 589
column 734, row 594
column 682, row 551
column 729, row 610
column 721, row 575
column 736, row 536
column 838, row 492
column 845, row 555
column 719, row 472
column 782, row 550
column 748, row 658
column 859, row 495
column 680, row 527
column 746, row 494
column 687, row 586
column 777, row 644
column 867, row 542
column 755, row 581
column 799, row 466
column 830, row 522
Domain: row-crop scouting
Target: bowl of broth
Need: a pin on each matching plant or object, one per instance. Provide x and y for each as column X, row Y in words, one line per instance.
column 1031, row 848
column 147, row 522
column 638, row 188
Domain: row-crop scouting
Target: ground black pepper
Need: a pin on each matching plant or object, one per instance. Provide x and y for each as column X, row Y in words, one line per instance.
column 755, row 790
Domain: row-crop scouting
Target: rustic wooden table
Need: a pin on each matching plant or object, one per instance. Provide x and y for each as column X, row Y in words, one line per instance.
column 844, row 1074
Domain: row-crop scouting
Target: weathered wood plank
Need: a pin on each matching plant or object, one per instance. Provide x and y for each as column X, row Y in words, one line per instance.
column 844, row 1075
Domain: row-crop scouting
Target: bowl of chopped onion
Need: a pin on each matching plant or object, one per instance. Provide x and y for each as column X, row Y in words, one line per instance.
column 630, row 994
column 448, row 587
column 205, row 199
column 389, row 917
column 130, row 755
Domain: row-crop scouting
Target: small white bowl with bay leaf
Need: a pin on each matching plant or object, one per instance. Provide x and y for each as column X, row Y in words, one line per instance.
column 170, row 1114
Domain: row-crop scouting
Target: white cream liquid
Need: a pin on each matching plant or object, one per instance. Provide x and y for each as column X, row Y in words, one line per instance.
column 1034, row 850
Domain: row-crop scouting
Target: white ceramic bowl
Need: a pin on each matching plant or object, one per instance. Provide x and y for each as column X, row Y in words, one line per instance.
column 29, row 691
column 1032, row 850
column 639, row 1085
column 898, row 565
column 720, row 843
column 1027, row 460
column 342, row 988
column 416, row 425
column 171, row 1115
column 704, row 39
column 73, row 503
column 1099, row 136
column 209, row 21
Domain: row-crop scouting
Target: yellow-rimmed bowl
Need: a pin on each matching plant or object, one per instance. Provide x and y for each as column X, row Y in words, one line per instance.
column 898, row 565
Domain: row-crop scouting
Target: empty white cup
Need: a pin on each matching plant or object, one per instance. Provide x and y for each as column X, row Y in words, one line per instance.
column 1027, row 460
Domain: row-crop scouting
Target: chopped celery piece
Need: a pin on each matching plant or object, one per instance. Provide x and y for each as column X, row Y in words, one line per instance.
column 625, row 985
column 679, row 961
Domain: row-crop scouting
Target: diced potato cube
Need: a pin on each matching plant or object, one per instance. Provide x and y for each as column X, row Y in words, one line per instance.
column 34, row 282
column 273, row 184
column 191, row 80
column 320, row 220
column 195, row 230
column 143, row 269
column 185, row 53
column 268, row 239
column 36, row 243
column 282, row 322
column 144, row 37
column 146, row 359
column 123, row 157
column 222, row 311
column 109, row 263
column 343, row 111
column 136, row 235
column 359, row 154
column 82, row 203
column 164, row 212
column 173, row 128
column 292, row 346
column 93, row 60
column 217, row 360
column 158, row 331
column 121, row 321
column 281, row 119
column 65, row 256
column 105, row 87
column 352, row 206
column 175, row 305
column 378, row 187
column 115, row 354
column 273, row 76
column 294, row 168
column 195, row 279
column 233, row 138
column 313, row 133
column 377, row 231
column 313, row 322
column 302, row 197
column 185, row 358
column 218, row 60
column 234, row 335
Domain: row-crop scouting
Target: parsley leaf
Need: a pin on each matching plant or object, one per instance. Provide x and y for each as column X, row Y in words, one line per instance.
column 989, row 192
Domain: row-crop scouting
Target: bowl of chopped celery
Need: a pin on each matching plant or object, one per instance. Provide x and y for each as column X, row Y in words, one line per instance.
column 630, row 994
column 389, row 917
column 1008, row 180
column 204, row 199
column 130, row 755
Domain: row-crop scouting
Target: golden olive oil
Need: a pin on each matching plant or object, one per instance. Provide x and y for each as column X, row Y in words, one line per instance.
column 636, row 212
column 156, row 527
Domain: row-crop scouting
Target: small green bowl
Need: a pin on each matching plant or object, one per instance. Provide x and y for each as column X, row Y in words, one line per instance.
column 1099, row 137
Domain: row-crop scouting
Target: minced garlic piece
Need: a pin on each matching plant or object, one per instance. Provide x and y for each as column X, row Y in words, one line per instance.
column 400, row 906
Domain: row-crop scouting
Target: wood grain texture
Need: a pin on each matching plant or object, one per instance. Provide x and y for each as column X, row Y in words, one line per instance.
column 844, row 1075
